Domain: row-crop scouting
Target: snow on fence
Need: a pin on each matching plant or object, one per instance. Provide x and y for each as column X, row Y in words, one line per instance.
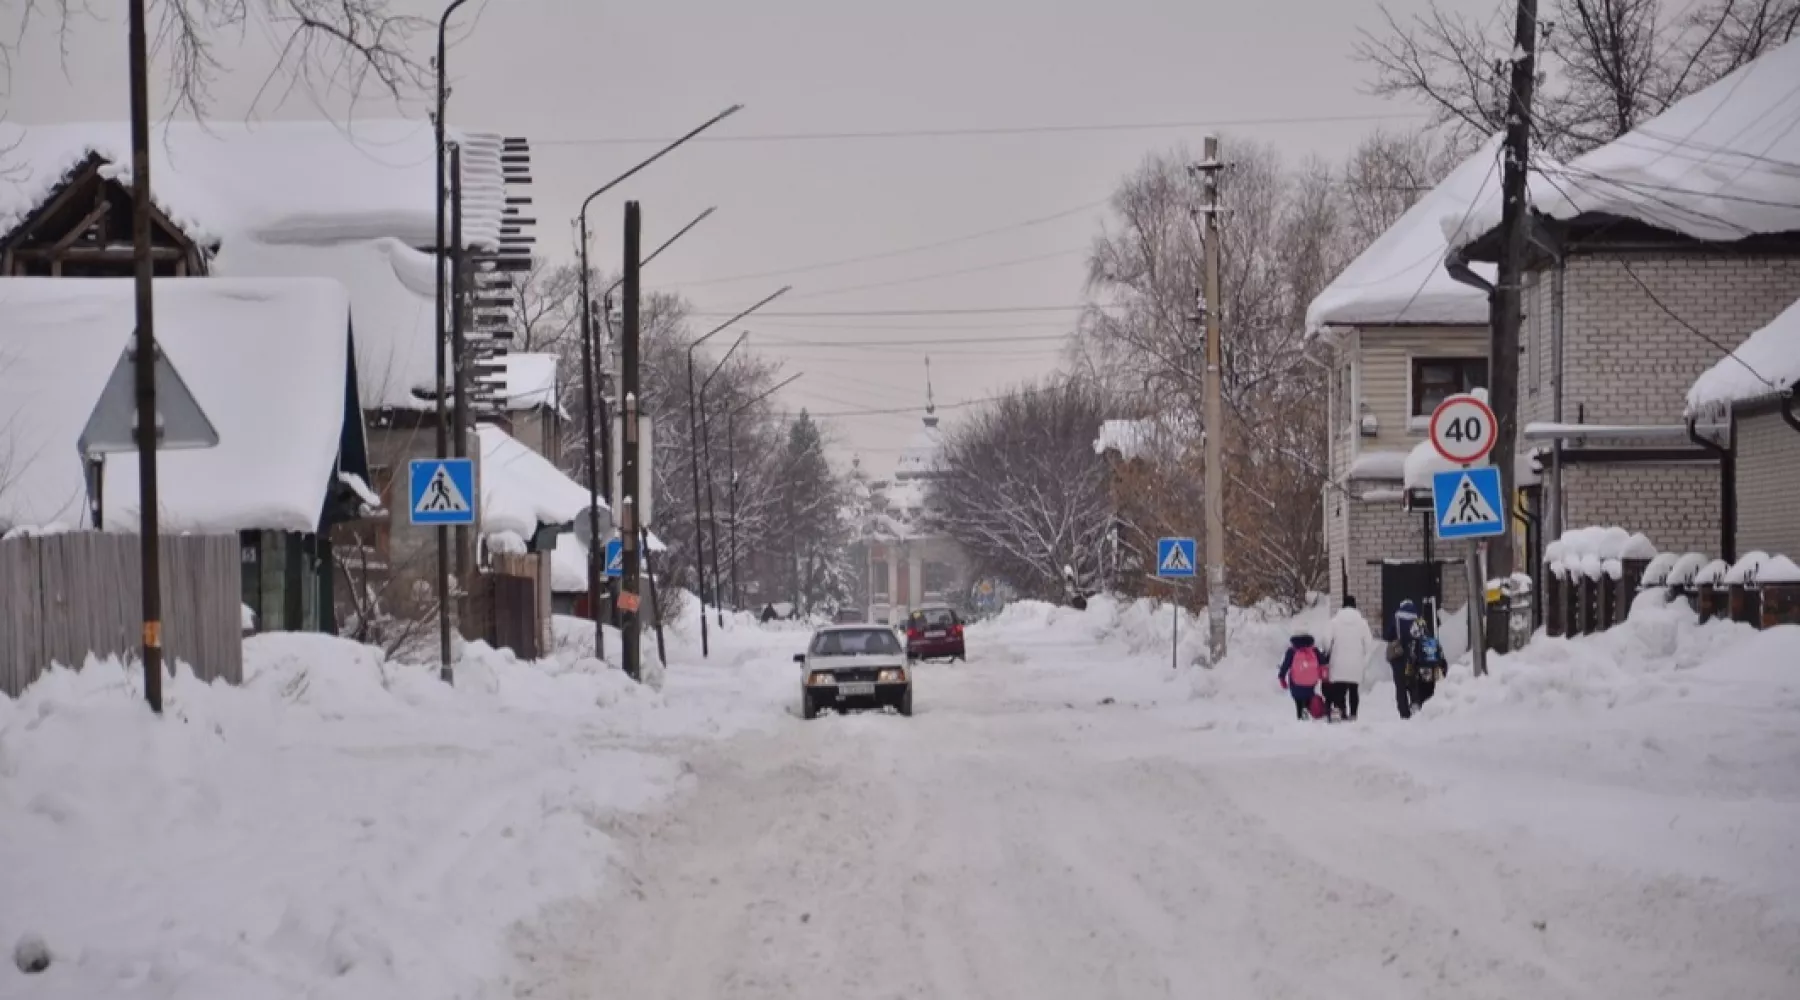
column 65, row 596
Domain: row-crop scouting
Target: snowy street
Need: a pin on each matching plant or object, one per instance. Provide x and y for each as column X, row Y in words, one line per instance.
column 1065, row 816
column 1017, row 838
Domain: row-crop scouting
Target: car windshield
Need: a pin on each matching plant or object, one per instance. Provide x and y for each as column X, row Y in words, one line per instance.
column 934, row 618
column 855, row 642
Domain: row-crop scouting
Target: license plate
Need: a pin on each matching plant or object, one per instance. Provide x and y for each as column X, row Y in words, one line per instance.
column 934, row 635
column 856, row 690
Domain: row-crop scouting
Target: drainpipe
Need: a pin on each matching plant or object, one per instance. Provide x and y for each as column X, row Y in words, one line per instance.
column 1553, row 507
column 1727, row 485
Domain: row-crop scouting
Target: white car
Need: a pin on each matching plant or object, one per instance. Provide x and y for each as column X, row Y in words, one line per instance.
column 854, row 666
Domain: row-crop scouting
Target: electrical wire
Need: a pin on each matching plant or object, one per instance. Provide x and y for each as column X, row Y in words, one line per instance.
column 976, row 311
column 900, row 252
column 957, row 272
column 991, row 130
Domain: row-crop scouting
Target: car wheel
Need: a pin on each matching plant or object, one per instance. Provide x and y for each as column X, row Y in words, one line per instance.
column 906, row 701
column 809, row 709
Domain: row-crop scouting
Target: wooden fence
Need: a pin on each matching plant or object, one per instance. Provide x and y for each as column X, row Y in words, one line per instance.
column 65, row 596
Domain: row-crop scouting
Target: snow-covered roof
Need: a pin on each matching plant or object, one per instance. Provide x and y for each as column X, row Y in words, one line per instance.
column 521, row 489
column 530, row 380
column 1130, row 438
column 922, row 454
column 1719, row 164
column 266, row 360
column 1767, row 363
column 274, row 182
column 1383, row 465
column 1400, row 278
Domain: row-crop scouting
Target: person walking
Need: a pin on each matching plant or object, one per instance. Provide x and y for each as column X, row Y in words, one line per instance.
column 1302, row 671
column 1348, row 646
column 1399, row 653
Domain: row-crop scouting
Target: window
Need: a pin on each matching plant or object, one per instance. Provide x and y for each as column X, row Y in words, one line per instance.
column 855, row 642
column 1436, row 379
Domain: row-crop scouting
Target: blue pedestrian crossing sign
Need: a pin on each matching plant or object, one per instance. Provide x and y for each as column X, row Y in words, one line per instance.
column 442, row 490
column 1467, row 503
column 1175, row 557
column 615, row 559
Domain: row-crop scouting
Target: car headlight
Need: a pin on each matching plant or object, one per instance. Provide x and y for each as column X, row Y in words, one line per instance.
column 820, row 679
column 894, row 675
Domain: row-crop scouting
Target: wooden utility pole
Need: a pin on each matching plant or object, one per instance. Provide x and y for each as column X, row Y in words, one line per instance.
column 144, row 364
column 1505, row 309
column 631, row 634
column 1218, row 593
column 459, row 390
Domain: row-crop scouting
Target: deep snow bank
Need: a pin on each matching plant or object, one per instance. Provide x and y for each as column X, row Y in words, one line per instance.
column 339, row 826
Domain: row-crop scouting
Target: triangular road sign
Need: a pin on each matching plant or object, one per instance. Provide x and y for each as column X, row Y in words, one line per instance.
column 1468, row 507
column 112, row 426
column 441, row 495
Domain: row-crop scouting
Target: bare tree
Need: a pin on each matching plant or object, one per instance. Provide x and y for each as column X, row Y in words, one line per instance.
column 354, row 46
column 1281, row 241
column 1386, row 174
column 1023, row 492
column 1609, row 64
column 545, row 314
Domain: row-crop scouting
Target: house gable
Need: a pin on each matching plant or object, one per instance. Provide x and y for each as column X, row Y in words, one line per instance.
column 84, row 230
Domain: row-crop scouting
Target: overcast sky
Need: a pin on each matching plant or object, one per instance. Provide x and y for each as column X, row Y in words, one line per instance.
column 581, row 77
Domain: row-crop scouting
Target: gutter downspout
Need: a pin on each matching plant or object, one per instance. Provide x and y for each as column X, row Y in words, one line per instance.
column 1553, row 507
column 1727, row 485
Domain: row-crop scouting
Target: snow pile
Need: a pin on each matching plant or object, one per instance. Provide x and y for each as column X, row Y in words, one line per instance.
column 1745, row 570
column 1657, row 573
column 1130, row 438
column 340, row 826
column 1400, row 278
column 1660, row 653
column 278, row 437
column 1682, row 573
column 1766, row 363
column 1596, row 551
column 1717, row 165
column 1780, row 569
column 1712, row 574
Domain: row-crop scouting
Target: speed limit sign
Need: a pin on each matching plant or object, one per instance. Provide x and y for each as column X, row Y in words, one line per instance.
column 1462, row 429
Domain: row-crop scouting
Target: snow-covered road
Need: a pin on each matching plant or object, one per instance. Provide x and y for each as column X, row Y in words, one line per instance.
column 1019, row 837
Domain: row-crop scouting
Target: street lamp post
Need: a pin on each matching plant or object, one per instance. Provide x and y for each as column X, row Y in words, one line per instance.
column 712, row 503
column 694, row 462
column 587, row 364
column 737, row 594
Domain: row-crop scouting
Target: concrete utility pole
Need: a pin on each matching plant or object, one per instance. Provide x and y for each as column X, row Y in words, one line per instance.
column 144, row 364
column 1505, row 306
column 461, row 426
column 1218, row 593
column 631, row 636
column 439, row 342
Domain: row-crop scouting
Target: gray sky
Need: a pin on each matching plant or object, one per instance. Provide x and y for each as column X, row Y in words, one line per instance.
column 573, row 74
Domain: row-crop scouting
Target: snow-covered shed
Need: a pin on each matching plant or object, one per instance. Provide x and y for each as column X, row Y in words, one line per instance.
column 532, row 399
column 269, row 362
column 349, row 202
column 1400, row 334
column 1754, row 391
column 1651, row 256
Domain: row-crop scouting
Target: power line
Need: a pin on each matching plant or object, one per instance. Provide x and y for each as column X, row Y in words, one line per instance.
column 978, row 311
column 956, row 272
column 901, row 252
column 992, row 130
column 918, row 342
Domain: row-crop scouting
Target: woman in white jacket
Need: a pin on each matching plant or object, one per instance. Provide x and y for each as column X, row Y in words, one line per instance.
column 1347, row 647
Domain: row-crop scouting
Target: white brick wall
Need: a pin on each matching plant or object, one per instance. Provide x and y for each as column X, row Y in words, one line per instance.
column 1676, row 504
column 1627, row 360
column 1381, row 529
column 1768, row 485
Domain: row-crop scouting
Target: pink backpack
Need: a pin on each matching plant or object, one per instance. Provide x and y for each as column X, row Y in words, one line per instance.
column 1305, row 671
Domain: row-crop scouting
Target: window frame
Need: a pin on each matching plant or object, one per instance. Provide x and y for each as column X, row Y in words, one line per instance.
column 1415, row 384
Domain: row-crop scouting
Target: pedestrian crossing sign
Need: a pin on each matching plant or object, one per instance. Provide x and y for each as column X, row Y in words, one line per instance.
column 1175, row 557
column 615, row 559
column 442, row 490
column 1467, row 503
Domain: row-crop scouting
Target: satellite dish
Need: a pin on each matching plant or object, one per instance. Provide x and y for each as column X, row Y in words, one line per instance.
column 585, row 531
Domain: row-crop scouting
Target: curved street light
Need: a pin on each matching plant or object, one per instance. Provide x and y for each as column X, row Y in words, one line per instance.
column 737, row 595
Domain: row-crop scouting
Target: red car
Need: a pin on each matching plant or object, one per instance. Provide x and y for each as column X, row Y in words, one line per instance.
column 934, row 632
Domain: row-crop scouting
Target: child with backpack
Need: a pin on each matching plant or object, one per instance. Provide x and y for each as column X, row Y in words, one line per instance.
column 1302, row 674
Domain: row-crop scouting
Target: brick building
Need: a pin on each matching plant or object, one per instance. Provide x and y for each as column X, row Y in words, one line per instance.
column 1401, row 335
column 1652, row 258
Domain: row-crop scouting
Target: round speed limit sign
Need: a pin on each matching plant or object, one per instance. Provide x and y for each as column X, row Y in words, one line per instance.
column 1462, row 429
